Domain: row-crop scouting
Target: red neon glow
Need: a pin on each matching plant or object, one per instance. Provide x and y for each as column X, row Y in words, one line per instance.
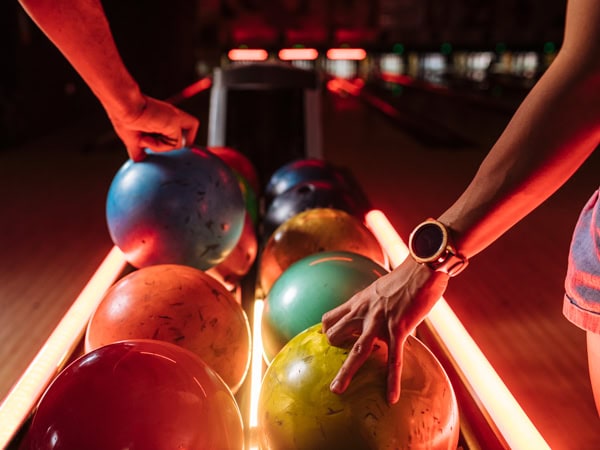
column 197, row 87
column 247, row 54
column 354, row 54
column 298, row 54
column 339, row 85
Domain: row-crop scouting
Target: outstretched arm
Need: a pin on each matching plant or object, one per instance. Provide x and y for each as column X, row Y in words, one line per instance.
column 552, row 133
column 80, row 30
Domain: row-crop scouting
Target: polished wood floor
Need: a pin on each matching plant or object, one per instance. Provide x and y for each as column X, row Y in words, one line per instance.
column 53, row 236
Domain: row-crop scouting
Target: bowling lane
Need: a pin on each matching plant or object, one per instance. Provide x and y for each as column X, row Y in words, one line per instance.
column 52, row 235
column 510, row 298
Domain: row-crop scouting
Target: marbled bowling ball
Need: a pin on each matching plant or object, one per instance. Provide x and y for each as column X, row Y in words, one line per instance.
column 181, row 305
column 298, row 411
column 179, row 207
column 313, row 231
column 140, row 394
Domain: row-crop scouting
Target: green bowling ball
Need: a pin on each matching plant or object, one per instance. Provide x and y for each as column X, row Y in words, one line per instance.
column 298, row 411
column 309, row 288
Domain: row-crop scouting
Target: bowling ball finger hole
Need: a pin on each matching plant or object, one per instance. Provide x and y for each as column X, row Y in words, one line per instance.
column 305, row 190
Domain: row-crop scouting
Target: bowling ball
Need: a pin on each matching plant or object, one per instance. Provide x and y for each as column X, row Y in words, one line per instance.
column 240, row 163
column 313, row 231
column 296, row 409
column 140, row 394
column 300, row 171
column 309, row 288
column 181, row 305
column 307, row 195
column 178, row 207
column 239, row 262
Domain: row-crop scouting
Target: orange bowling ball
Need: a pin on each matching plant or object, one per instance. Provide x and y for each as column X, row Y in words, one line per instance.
column 181, row 305
column 313, row 231
column 297, row 410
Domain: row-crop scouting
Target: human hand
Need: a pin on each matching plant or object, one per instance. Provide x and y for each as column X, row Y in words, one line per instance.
column 160, row 127
column 388, row 310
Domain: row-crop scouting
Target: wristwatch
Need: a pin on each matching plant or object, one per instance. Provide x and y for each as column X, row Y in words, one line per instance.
column 430, row 243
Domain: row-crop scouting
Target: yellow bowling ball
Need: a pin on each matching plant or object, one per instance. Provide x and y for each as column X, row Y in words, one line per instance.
column 298, row 411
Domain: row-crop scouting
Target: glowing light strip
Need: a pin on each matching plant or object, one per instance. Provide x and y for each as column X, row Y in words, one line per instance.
column 23, row 397
column 256, row 372
column 247, row 54
column 512, row 422
column 298, row 54
column 348, row 54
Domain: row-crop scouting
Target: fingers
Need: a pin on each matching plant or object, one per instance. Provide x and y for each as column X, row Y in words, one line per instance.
column 361, row 350
column 136, row 153
column 189, row 125
column 395, row 352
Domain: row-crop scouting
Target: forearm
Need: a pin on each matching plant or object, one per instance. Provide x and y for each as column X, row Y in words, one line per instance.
column 80, row 30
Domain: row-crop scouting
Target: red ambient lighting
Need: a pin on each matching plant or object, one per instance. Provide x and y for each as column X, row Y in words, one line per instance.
column 298, row 54
column 247, row 54
column 354, row 54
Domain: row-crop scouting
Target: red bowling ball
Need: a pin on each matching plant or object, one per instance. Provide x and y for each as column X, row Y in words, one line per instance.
column 239, row 163
column 144, row 394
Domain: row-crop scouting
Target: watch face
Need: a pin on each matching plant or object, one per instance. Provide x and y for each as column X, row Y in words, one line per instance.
column 427, row 240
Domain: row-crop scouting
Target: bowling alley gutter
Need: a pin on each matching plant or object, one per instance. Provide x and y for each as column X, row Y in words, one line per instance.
column 509, row 419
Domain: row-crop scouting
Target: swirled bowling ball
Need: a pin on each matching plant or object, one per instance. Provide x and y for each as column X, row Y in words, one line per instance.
column 240, row 163
column 313, row 231
column 304, row 196
column 179, row 207
column 297, row 410
column 308, row 289
column 300, row 171
column 180, row 305
column 140, row 394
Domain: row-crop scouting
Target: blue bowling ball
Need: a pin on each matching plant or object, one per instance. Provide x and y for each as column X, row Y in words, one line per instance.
column 179, row 207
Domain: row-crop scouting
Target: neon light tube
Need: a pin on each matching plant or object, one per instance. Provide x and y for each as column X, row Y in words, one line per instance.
column 247, row 54
column 24, row 395
column 298, row 54
column 353, row 54
column 256, row 372
column 512, row 422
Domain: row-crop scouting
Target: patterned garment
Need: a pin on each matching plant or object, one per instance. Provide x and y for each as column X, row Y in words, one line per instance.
column 582, row 285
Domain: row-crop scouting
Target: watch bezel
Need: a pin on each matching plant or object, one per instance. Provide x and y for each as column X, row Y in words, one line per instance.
column 441, row 249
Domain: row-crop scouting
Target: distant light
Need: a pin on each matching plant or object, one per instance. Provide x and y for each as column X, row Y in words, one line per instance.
column 354, row 54
column 298, row 54
column 398, row 49
column 446, row 48
column 247, row 54
column 549, row 47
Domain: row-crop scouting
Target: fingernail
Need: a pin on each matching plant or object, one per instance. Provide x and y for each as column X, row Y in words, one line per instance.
column 335, row 386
